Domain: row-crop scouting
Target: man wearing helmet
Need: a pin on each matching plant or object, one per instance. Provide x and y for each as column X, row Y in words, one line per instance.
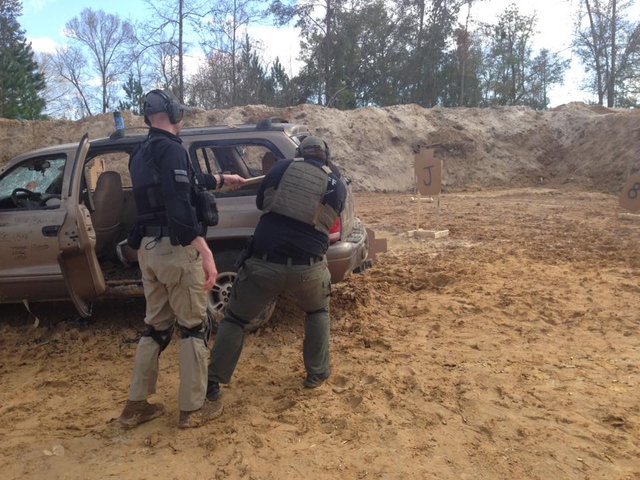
column 176, row 263
column 300, row 199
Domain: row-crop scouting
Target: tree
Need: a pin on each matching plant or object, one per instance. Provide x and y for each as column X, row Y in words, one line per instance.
column 254, row 87
column 609, row 46
column 21, row 82
column 462, row 69
column 108, row 40
column 281, row 84
column 508, row 57
column 428, row 26
column 70, row 65
column 382, row 52
column 465, row 55
column 226, row 19
column 316, row 21
column 58, row 93
column 546, row 69
column 210, row 86
column 134, row 95
column 165, row 35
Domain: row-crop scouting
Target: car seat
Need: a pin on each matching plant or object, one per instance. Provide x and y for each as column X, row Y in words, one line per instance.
column 268, row 161
column 108, row 200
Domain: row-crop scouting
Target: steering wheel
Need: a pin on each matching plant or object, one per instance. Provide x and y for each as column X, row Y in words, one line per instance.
column 20, row 197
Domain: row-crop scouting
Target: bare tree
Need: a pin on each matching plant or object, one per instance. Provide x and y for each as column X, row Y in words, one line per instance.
column 210, row 86
column 70, row 65
column 108, row 40
column 59, row 92
column 165, row 34
column 609, row 45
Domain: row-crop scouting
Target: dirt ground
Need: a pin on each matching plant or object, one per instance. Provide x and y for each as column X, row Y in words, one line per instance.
column 508, row 350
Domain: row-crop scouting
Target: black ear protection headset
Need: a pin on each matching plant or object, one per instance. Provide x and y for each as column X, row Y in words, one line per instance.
column 327, row 152
column 172, row 108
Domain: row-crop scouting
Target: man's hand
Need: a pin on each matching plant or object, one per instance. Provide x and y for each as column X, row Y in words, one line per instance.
column 233, row 181
column 210, row 271
column 208, row 263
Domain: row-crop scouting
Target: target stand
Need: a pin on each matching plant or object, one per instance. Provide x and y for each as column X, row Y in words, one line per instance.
column 428, row 181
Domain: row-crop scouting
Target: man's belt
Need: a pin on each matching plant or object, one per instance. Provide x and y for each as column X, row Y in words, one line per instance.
column 156, row 231
column 285, row 260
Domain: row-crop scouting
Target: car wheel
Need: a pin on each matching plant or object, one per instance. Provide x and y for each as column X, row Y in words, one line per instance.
column 221, row 292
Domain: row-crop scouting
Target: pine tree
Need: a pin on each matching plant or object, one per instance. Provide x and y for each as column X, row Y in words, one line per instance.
column 21, row 82
column 134, row 95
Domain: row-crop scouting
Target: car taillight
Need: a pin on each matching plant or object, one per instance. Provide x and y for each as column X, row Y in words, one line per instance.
column 336, row 231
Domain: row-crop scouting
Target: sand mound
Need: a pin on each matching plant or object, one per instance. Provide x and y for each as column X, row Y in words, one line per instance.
column 575, row 144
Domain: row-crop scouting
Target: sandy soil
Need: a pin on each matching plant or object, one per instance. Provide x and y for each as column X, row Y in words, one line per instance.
column 508, row 350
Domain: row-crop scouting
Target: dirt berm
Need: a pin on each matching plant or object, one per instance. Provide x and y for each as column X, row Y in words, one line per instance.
column 586, row 146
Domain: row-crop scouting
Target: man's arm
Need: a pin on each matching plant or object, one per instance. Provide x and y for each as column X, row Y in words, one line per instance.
column 176, row 190
column 336, row 195
column 215, row 182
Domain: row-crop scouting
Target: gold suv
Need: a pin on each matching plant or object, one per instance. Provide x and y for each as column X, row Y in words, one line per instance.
column 66, row 210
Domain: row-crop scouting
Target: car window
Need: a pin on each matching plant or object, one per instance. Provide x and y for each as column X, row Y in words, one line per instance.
column 246, row 160
column 108, row 162
column 258, row 159
column 207, row 160
column 33, row 183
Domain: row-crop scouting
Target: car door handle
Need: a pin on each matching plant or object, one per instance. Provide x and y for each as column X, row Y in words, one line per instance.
column 50, row 230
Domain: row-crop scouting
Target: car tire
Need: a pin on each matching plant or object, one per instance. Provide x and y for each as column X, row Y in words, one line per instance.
column 221, row 292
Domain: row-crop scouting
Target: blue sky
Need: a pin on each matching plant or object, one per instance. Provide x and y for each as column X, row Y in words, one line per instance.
column 46, row 18
column 43, row 21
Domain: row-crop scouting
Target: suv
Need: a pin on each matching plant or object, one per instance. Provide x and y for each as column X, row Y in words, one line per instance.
column 65, row 212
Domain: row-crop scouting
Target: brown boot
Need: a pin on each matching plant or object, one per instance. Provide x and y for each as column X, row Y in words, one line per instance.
column 197, row 418
column 139, row 411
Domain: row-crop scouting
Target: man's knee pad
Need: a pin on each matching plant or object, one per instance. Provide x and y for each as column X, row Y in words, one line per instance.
column 161, row 337
column 202, row 331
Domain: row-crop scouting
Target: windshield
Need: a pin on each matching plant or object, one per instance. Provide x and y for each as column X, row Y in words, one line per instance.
column 39, row 175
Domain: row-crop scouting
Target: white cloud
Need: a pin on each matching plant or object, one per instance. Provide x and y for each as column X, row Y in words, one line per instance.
column 35, row 6
column 43, row 44
column 193, row 62
column 283, row 43
column 269, row 41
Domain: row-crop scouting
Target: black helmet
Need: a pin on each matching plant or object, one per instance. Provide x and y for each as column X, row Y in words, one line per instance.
column 314, row 147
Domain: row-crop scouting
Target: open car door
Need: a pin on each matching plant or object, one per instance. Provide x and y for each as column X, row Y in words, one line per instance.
column 77, row 238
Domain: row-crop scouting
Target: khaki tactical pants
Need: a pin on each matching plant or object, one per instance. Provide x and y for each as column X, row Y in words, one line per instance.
column 173, row 282
column 258, row 283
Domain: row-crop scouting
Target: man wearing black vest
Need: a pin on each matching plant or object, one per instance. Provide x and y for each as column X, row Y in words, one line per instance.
column 177, row 265
column 300, row 199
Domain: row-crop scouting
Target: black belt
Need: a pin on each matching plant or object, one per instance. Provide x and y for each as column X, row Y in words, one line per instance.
column 284, row 260
column 156, row 231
